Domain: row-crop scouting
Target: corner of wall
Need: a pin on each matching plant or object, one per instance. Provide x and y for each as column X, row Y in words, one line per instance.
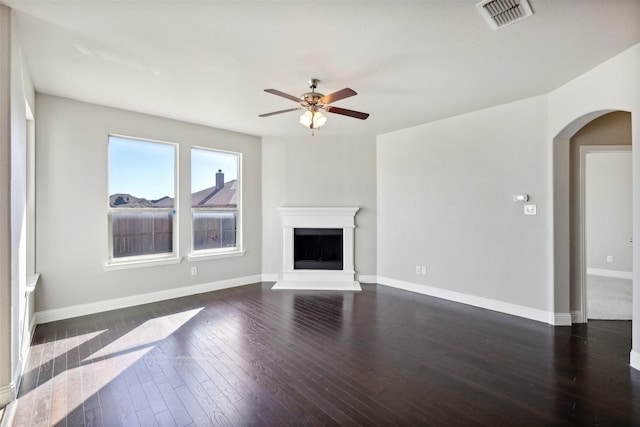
column 634, row 359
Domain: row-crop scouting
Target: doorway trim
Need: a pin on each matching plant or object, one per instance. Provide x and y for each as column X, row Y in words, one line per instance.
column 582, row 316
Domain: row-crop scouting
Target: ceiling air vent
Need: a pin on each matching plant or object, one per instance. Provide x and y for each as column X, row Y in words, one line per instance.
column 499, row 13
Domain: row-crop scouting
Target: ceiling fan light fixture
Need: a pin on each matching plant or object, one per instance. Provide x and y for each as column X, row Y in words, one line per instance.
column 313, row 119
column 306, row 119
column 319, row 120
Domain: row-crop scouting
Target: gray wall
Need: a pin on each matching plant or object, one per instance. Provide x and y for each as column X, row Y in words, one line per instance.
column 445, row 200
column 319, row 171
column 608, row 211
column 71, row 218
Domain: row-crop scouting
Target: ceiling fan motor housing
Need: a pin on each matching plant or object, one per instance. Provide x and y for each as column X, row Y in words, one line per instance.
column 310, row 98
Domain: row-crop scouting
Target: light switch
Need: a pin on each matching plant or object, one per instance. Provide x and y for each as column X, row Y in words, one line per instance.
column 529, row 209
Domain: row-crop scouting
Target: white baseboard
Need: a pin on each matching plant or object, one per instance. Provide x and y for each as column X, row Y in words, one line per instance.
column 114, row 304
column 364, row 278
column 24, row 353
column 610, row 273
column 269, row 277
column 26, row 334
column 6, row 420
column 634, row 359
column 7, row 393
column 556, row 319
column 576, row 316
column 562, row 319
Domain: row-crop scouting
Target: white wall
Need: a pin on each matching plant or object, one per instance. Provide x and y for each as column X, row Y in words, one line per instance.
column 608, row 211
column 319, row 171
column 71, row 219
column 22, row 93
column 7, row 387
column 15, row 92
column 445, row 200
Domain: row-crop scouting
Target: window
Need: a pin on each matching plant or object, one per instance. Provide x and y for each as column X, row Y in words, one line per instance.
column 215, row 201
column 142, row 199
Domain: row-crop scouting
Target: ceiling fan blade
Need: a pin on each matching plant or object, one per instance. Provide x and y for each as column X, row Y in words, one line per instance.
column 345, row 112
column 279, row 112
column 282, row 94
column 337, row 96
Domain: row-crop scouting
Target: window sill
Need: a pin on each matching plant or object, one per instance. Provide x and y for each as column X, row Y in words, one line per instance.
column 125, row 265
column 214, row 255
column 32, row 283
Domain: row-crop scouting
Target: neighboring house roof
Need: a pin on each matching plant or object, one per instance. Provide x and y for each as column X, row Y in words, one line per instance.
column 225, row 197
column 121, row 200
column 165, row 202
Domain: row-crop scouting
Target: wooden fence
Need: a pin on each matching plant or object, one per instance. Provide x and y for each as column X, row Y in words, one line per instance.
column 142, row 233
column 148, row 233
column 213, row 230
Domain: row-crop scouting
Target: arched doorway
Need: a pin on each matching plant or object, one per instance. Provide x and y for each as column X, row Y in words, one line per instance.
column 606, row 127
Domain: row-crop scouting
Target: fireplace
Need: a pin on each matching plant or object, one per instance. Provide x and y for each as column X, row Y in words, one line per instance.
column 318, row 249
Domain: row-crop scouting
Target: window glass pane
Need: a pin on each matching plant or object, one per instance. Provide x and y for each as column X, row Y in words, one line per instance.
column 141, row 233
column 215, row 192
column 214, row 179
column 141, row 174
column 212, row 230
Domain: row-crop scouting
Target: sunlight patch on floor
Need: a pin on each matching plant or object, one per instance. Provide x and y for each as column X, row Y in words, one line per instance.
column 107, row 363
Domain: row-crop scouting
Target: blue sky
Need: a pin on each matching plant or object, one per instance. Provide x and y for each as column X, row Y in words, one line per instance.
column 146, row 169
column 205, row 164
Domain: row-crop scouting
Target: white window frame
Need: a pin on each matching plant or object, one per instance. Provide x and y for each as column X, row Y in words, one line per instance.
column 135, row 261
column 216, row 253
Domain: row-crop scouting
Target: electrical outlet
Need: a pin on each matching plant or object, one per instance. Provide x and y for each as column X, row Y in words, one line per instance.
column 423, row 271
column 609, row 258
column 418, row 269
column 194, row 271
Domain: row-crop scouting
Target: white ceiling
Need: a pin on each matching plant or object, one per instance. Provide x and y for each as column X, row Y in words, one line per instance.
column 411, row 62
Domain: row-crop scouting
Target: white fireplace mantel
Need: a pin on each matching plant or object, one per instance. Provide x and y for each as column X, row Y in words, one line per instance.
column 318, row 217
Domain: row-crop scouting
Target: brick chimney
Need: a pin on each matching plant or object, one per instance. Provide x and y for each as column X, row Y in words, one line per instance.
column 219, row 180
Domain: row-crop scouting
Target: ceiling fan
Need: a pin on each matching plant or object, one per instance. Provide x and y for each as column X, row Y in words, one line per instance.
column 313, row 102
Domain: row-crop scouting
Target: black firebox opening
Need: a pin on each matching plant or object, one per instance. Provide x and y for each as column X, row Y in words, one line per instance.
column 317, row 249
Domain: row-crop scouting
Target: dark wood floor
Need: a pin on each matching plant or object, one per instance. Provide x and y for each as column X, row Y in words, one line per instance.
column 252, row 356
